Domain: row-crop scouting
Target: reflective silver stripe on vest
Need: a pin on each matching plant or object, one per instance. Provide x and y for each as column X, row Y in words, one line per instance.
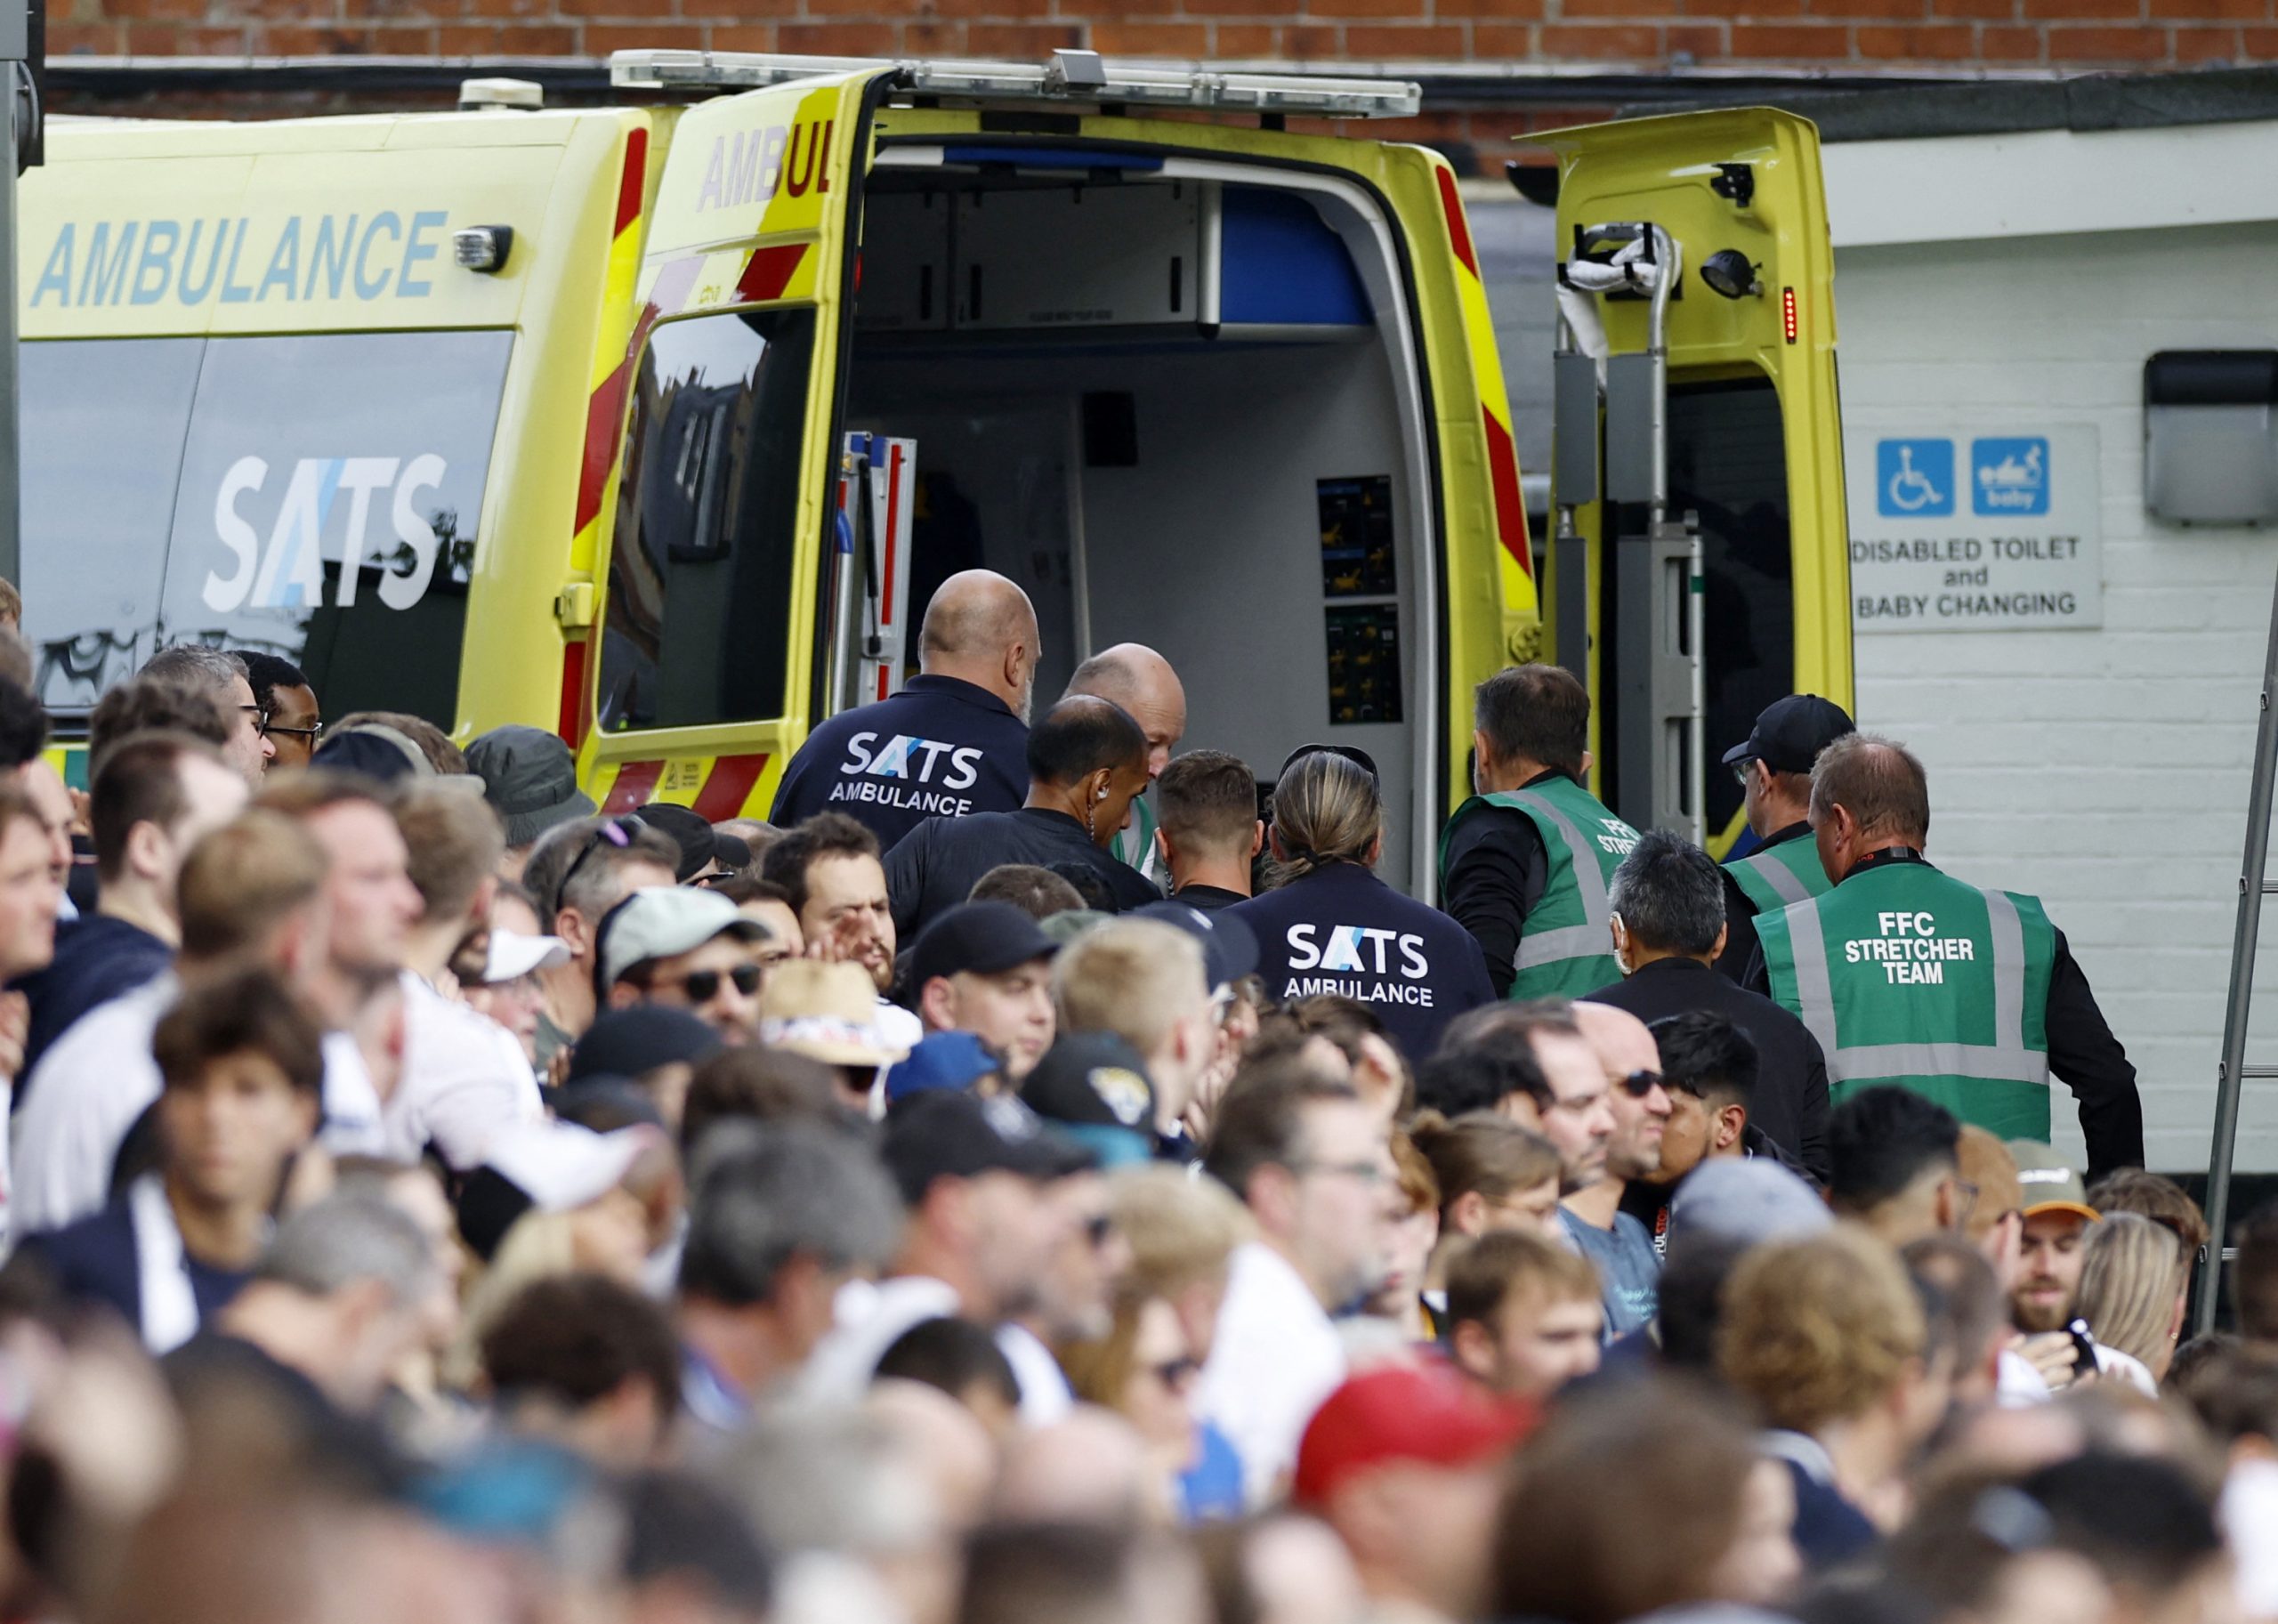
column 2009, row 1061
column 1594, row 937
column 1778, row 876
column 1814, row 990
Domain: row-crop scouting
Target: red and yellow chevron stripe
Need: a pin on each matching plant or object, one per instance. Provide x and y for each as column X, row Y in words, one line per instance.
column 716, row 787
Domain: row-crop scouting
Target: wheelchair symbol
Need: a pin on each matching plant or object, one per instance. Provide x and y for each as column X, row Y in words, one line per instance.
column 1915, row 476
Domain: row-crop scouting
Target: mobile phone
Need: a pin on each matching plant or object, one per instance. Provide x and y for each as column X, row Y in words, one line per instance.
column 2084, row 1348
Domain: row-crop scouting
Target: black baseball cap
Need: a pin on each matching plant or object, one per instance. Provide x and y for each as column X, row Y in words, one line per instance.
column 1094, row 1087
column 1229, row 945
column 688, row 830
column 1358, row 757
column 940, row 1133
column 1791, row 733
column 985, row 938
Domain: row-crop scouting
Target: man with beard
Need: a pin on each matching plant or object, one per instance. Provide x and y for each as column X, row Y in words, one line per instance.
column 952, row 742
column 1609, row 1238
column 829, row 872
column 2050, row 1260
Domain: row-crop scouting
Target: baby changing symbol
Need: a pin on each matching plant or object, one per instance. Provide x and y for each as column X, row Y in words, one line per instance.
column 2009, row 476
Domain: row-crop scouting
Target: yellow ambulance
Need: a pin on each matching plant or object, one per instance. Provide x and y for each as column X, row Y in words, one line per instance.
column 656, row 423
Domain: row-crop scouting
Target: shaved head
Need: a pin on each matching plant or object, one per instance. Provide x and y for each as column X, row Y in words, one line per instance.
column 1133, row 675
column 981, row 628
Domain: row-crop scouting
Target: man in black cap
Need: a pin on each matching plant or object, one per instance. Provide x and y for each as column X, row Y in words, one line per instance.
column 1774, row 767
column 985, row 968
column 529, row 777
column 1093, row 1087
column 975, row 1176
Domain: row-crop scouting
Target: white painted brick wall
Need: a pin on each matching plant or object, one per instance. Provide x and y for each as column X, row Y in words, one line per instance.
column 2104, row 771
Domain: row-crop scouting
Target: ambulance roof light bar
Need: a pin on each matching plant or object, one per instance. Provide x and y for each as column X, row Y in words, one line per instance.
column 1072, row 76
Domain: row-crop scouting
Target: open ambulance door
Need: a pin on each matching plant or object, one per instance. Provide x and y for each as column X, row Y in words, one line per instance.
column 1698, row 565
column 718, row 643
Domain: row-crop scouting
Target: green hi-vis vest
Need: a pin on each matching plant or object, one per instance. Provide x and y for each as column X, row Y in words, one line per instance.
column 1908, row 977
column 1777, row 875
column 1567, row 945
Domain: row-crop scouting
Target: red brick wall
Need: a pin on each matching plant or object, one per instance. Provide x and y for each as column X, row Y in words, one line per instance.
column 1844, row 36
column 1630, row 34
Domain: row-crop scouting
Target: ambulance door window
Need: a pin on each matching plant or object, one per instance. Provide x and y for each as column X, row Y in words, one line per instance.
column 1728, row 463
column 697, row 628
column 103, row 425
column 330, row 489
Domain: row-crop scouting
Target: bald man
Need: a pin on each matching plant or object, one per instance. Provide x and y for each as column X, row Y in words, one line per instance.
column 1629, row 1268
column 952, row 742
column 1133, row 675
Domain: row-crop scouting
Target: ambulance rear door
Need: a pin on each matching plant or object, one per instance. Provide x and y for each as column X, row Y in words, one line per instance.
column 703, row 674
column 1698, row 565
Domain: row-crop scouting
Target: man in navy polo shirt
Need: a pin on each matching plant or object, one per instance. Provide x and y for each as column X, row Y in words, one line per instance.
column 953, row 741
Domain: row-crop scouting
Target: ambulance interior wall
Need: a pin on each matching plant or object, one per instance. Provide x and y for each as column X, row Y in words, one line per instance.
column 2104, row 769
column 1206, row 545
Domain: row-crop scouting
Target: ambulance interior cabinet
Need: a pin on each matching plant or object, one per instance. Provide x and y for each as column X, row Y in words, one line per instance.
column 2210, row 436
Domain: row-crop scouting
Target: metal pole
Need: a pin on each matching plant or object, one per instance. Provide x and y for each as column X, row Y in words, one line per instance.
column 11, row 454
column 2230, row 1080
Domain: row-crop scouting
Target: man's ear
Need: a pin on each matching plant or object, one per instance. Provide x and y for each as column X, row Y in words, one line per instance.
column 1468, row 1214
column 1588, row 762
column 1732, row 1123
column 570, row 925
column 1474, row 1350
column 1724, row 934
column 1258, row 837
column 934, row 1000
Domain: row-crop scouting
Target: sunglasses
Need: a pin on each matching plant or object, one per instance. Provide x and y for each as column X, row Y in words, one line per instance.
column 702, row 986
column 1739, row 770
column 313, row 732
column 1638, row 1084
column 1353, row 753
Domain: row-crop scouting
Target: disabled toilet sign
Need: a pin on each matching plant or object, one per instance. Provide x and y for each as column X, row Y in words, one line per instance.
column 1964, row 530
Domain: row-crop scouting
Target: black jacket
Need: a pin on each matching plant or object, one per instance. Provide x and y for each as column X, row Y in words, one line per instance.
column 939, row 749
column 1791, row 1105
column 935, row 865
column 1493, row 878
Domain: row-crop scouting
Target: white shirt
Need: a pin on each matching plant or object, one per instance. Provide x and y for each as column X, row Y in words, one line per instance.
column 85, row 1094
column 1276, row 1357
column 100, row 1077
column 2249, row 1513
column 871, row 1318
column 465, row 1079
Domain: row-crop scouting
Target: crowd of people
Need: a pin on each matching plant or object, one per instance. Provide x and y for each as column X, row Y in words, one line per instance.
column 1040, row 1175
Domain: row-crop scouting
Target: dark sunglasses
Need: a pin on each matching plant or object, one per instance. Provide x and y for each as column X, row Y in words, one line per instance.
column 612, row 831
column 702, row 986
column 1638, row 1084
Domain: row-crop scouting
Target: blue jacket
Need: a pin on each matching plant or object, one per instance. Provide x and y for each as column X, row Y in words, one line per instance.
column 940, row 748
column 1341, row 930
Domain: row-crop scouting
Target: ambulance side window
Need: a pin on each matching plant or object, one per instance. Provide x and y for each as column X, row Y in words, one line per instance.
column 697, row 628
column 1728, row 462
column 103, row 425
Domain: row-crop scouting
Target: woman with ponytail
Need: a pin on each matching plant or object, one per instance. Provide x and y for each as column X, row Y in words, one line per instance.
column 1330, row 925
